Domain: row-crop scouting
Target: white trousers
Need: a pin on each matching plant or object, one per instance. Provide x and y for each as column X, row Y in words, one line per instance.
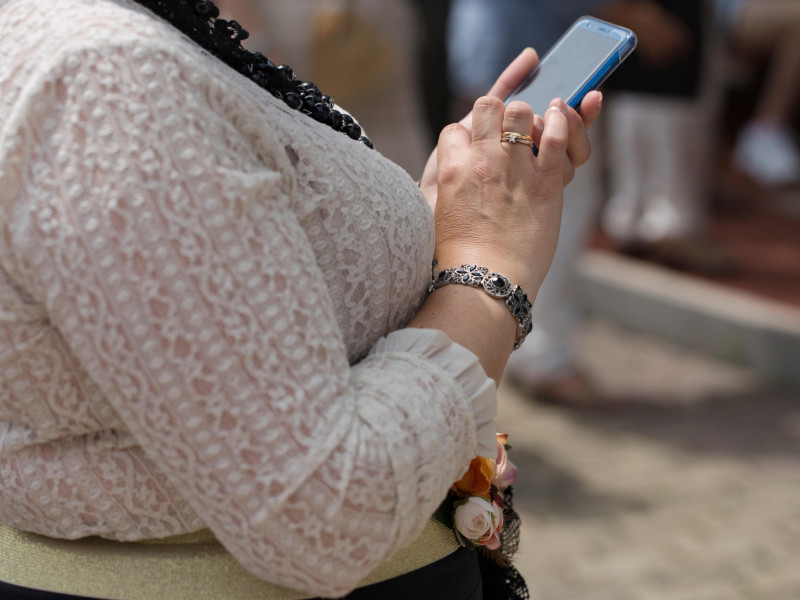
column 658, row 153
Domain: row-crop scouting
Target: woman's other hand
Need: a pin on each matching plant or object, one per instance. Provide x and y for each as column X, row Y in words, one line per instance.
column 511, row 77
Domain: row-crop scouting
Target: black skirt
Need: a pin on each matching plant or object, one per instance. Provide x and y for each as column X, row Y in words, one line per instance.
column 455, row 577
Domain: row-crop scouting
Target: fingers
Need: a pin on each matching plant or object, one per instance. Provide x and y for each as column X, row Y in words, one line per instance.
column 590, row 108
column 514, row 73
column 453, row 151
column 560, row 137
column 554, row 141
column 487, row 120
column 518, row 118
column 509, row 79
column 538, row 129
column 568, row 172
column 578, row 148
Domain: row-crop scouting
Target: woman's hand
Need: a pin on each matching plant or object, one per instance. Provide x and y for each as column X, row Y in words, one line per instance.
column 520, row 67
column 498, row 204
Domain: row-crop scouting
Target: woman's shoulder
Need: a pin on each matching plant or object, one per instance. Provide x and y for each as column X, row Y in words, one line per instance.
column 38, row 39
column 50, row 27
column 57, row 51
column 100, row 68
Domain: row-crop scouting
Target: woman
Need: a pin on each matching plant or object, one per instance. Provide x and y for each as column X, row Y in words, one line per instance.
column 214, row 315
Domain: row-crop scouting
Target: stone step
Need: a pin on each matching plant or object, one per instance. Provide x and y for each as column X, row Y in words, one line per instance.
column 734, row 325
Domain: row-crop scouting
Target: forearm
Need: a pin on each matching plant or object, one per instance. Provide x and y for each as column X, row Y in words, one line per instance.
column 474, row 320
column 497, row 208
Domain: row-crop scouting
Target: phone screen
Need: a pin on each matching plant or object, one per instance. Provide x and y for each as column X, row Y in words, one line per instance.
column 578, row 62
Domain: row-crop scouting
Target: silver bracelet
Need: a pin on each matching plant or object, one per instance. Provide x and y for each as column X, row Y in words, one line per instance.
column 497, row 286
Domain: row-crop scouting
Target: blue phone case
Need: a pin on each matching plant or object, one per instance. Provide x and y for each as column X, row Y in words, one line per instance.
column 613, row 56
column 627, row 45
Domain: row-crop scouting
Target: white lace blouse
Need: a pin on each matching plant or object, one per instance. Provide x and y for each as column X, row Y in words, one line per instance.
column 200, row 296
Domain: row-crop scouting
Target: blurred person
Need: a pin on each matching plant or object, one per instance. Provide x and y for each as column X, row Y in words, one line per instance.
column 659, row 142
column 224, row 368
column 362, row 52
column 766, row 148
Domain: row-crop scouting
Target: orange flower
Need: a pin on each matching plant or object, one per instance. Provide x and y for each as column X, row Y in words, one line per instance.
column 477, row 481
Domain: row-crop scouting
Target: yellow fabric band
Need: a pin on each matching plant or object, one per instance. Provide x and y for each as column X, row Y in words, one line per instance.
column 194, row 566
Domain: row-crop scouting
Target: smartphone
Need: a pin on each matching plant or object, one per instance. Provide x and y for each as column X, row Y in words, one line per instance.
column 578, row 63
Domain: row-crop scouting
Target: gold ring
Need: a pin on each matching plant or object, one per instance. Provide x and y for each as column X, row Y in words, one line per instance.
column 516, row 138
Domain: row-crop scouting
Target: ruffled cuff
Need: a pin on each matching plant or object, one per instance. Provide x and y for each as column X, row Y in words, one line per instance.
column 462, row 365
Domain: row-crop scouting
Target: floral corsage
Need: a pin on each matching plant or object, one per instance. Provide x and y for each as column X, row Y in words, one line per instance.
column 477, row 507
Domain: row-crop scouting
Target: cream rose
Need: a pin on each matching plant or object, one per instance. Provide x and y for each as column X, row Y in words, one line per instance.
column 479, row 521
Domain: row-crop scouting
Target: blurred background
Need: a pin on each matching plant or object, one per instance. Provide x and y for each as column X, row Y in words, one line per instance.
column 655, row 410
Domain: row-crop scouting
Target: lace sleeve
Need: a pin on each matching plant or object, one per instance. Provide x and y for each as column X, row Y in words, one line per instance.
column 160, row 239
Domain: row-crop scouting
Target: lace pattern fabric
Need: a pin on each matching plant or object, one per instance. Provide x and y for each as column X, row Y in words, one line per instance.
column 199, row 292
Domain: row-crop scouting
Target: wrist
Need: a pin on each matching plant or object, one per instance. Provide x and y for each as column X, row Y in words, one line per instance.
column 495, row 285
column 474, row 320
column 518, row 272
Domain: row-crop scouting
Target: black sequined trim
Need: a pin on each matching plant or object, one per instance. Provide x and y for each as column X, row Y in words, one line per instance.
column 199, row 20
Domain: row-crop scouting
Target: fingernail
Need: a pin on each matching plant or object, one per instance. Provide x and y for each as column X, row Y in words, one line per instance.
column 559, row 104
column 538, row 123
